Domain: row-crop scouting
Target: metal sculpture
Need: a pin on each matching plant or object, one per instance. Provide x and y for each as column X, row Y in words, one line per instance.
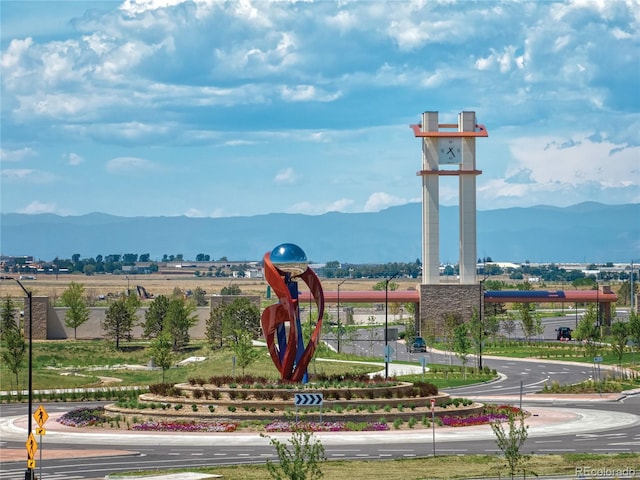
column 282, row 266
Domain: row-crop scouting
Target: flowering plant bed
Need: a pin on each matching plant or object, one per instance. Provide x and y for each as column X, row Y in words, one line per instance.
column 97, row 417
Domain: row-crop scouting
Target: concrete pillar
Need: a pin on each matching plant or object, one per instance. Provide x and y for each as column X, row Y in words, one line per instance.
column 467, row 196
column 430, row 203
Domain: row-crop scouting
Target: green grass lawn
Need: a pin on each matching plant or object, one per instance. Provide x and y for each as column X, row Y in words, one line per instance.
column 441, row 467
column 63, row 364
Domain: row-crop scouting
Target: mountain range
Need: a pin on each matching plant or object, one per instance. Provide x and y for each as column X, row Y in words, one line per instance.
column 585, row 233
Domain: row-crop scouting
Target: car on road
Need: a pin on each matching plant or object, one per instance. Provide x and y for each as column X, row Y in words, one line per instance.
column 418, row 345
column 563, row 334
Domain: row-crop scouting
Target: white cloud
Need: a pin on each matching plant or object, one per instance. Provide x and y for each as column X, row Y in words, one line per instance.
column 129, row 165
column 306, row 93
column 306, row 208
column 341, row 205
column 133, row 7
column 576, row 161
column 194, row 212
column 17, row 155
column 38, row 207
column 561, row 171
column 74, row 159
column 504, row 61
column 381, row 200
column 286, row 176
column 27, row 175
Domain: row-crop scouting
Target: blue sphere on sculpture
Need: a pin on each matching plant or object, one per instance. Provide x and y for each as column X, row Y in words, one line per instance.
column 289, row 258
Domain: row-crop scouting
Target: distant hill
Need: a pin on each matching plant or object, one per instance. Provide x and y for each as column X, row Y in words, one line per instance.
column 587, row 232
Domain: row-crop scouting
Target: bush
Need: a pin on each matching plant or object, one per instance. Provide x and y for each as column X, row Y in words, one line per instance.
column 300, row 460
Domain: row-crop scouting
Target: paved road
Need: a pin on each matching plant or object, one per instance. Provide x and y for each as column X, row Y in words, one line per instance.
column 581, row 424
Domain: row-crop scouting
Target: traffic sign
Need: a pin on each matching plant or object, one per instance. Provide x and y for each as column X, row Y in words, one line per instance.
column 41, row 416
column 433, row 404
column 41, row 431
column 597, row 359
column 31, row 464
column 32, row 445
column 308, row 399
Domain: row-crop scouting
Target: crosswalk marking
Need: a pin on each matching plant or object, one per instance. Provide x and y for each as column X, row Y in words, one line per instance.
column 19, row 473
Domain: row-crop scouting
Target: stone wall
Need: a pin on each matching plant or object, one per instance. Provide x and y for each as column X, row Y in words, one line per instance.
column 39, row 317
column 49, row 324
column 437, row 301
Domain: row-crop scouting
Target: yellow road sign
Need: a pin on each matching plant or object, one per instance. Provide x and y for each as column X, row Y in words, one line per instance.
column 41, row 416
column 31, row 464
column 41, row 431
column 32, row 445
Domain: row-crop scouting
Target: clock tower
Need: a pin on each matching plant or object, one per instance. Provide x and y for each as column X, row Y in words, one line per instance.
column 449, row 149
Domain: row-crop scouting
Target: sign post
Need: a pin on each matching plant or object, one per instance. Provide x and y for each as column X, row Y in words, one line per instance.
column 433, row 424
column 40, row 416
column 308, row 400
column 423, row 361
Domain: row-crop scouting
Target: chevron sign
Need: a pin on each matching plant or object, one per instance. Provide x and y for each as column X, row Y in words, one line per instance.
column 308, row 399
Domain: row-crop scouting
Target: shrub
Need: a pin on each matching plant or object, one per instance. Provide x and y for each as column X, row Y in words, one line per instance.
column 302, row 461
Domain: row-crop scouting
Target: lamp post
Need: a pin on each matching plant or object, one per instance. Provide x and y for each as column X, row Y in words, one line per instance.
column 339, row 313
column 28, row 474
column 481, row 327
column 386, row 324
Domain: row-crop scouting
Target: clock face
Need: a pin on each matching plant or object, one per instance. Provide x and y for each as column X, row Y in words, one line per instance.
column 450, row 151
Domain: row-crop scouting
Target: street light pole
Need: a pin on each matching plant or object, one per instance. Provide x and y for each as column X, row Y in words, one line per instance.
column 481, row 327
column 386, row 324
column 339, row 314
column 28, row 474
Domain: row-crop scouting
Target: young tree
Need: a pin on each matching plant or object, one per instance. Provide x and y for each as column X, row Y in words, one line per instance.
column 509, row 326
column 231, row 290
column 200, row 297
column 451, row 321
column 214, row 326
column 119, row 321
column 299, row 461
column 13, row 350
column 492, row 327
column 510, row 442
column 179, row 319
column 155, row 317
column 373, row 334
column 350, row 336
column 634, row 329
column 476, row 332
column 243, row 350
column 74, row 298
column 527, row 321
column 161, row 350
column 618, row 341
column 8, row 315
column 241, row 315
column 409, row 332
column 588, row 331
column 462, row 345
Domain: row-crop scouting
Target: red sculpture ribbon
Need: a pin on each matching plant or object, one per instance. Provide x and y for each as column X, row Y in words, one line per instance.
column 287, row 311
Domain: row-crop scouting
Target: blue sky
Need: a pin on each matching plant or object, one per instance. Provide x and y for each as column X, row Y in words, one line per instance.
column 209, row 108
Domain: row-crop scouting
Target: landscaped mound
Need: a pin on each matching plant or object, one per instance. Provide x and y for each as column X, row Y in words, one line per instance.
column 96, row 417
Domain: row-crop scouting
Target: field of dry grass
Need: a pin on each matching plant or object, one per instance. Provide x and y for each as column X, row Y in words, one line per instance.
column 157, row 284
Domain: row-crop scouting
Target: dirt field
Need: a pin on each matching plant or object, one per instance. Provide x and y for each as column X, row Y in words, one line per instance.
column 157, row 284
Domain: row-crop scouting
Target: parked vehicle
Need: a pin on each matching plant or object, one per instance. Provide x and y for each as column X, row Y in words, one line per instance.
column 418, row 345
column 563, row 334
